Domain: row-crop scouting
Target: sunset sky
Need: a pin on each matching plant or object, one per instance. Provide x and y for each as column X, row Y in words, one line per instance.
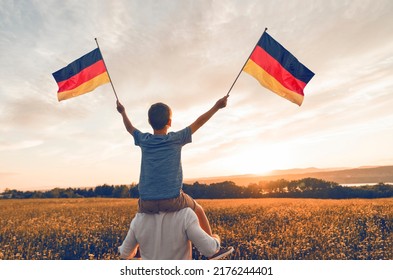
column 187, row 54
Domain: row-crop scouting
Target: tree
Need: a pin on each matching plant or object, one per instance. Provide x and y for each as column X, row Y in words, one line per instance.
column 104, row 191
column 134, row 192
column 121, row 191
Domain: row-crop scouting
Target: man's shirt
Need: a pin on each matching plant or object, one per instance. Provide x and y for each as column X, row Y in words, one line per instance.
column 167, row 236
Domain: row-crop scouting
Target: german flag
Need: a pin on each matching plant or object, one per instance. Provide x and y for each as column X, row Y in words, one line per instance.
column 278, row 70
column 81, row 76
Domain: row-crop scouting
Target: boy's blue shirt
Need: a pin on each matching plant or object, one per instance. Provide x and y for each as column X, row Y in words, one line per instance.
column 161, row 175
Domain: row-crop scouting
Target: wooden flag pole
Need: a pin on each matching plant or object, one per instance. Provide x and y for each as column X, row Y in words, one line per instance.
column 114, row 91
column 245, row 63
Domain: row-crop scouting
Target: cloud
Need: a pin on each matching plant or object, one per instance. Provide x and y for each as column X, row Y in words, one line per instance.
column 19, row 145
column 187, row 54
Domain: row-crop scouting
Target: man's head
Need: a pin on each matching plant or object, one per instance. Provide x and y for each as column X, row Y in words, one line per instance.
column 160, row 115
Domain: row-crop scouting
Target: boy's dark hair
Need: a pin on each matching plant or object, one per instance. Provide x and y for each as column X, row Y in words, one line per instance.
column 159, row 115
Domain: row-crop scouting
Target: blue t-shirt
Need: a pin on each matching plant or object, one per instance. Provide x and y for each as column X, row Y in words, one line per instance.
column 161, row 174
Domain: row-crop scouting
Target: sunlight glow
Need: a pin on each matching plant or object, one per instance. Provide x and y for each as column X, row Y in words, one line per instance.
column 261, row 159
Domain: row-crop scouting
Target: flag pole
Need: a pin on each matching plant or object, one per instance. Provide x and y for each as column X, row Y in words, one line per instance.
column 245, row 63
column 114, row 91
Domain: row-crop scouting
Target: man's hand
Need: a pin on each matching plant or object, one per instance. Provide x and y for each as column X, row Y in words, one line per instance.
column 215, row 236
column 120, row 107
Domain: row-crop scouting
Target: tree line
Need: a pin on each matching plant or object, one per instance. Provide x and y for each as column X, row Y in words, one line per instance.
column 304, row 188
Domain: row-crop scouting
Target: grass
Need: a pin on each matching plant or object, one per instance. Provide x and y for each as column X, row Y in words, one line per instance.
column 276, row 229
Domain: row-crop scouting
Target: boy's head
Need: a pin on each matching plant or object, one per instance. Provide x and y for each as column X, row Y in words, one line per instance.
column 160, row 115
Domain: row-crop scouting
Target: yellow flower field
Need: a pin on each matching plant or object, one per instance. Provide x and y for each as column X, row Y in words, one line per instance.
column 312, row 229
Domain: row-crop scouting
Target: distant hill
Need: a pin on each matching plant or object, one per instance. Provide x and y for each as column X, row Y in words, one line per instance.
column 361, row 175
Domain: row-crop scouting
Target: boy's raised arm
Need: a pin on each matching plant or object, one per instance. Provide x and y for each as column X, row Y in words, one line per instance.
column 127, row 123
column 221, row 103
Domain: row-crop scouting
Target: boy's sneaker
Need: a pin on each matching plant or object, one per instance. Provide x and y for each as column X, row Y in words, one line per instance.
column 223, row 252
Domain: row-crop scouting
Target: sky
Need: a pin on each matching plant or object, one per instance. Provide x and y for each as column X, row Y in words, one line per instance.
column 187, row 54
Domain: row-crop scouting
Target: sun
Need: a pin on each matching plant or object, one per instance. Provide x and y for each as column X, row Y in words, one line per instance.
column 260, row 159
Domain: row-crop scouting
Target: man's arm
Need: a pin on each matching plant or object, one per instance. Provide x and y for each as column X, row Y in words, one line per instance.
column 207, row 245
column 127, row 123
column 129, row 246
column 221, row 103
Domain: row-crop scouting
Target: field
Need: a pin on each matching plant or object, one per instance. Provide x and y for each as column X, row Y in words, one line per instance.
column 273, row 229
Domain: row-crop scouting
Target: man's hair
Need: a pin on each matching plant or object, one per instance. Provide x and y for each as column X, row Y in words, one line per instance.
column 159, row 115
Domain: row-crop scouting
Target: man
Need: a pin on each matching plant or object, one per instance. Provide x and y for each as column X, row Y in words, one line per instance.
column 168, row 236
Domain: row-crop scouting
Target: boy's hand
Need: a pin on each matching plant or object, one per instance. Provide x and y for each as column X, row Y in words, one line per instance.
column 127, row 123
column 120, row 107
column 222, row 103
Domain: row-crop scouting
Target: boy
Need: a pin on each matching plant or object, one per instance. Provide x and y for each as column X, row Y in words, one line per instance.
column 161, row 175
